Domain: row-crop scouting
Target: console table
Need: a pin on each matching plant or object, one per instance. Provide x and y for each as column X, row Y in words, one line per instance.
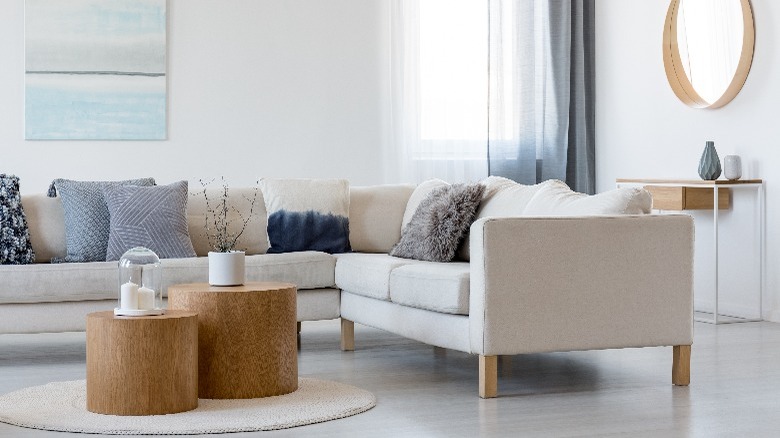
column 683, row 194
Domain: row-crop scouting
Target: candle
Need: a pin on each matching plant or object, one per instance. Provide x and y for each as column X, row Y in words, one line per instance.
column 145, row 298
column 128, row 298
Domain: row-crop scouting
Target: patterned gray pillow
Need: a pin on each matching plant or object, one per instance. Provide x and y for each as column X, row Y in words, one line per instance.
column 440, row 223
column 15, row 246
column 153, row 217
column 86, row 215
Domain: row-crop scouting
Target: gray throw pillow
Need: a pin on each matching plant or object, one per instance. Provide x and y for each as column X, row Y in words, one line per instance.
column 440, row 223
column 152, row 217
column 15, row 246
column 86, row 215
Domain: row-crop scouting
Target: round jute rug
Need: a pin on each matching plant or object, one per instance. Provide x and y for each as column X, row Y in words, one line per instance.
column 61, row 406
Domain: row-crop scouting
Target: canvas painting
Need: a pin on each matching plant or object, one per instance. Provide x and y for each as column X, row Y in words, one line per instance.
column 95, row 69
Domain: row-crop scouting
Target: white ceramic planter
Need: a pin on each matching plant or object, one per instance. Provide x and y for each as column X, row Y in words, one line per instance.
column 226, row 268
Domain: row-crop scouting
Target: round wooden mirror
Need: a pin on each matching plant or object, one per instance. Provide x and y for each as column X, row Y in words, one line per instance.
column 708, row 49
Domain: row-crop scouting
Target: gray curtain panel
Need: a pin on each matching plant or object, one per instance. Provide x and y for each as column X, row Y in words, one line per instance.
column 541, row 118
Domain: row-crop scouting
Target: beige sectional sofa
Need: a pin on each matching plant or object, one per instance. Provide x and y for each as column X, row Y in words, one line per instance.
column 556, row 280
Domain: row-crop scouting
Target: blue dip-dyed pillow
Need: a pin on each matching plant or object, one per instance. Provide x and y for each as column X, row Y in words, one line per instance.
column 307, row 214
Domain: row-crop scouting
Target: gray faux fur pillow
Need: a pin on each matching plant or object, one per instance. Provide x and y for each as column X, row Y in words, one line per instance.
column 439, row 223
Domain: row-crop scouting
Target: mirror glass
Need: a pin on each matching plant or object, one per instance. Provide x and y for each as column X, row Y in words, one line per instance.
column 709, row 36
column 708, row 47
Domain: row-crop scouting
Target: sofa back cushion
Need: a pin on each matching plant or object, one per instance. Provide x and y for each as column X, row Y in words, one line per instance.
column 46, row 222
column 375, row 216
column 557, row 199
column 255, row 238
column 418, row 195
column 502, row 198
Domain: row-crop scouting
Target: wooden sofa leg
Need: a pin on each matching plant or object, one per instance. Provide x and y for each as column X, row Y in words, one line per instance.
column 488, row 376
column 347, row 335
column 681, row 365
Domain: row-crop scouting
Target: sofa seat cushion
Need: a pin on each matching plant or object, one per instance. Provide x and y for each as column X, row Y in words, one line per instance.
column 305, row 269
column 440, row 287
column 40, row 283
column 367, row 274
column 58, row 282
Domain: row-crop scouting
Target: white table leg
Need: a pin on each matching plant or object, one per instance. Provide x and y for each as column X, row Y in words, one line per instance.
column 715, row 240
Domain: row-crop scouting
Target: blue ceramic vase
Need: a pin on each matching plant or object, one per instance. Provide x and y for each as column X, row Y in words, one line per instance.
column 709, row 165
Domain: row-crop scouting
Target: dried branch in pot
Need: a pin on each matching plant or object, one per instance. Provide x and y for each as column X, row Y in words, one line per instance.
column 219, row 222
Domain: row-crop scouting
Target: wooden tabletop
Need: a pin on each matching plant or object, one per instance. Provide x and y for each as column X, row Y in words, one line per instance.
column 249, row 286
column 169, row 314
column 693, row 182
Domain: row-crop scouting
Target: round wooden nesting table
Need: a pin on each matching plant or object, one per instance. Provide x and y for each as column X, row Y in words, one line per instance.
column 247, row 337
column 142, row 365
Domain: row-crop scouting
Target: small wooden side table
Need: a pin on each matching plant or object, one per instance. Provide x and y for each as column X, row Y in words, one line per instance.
column 247, row 337
column 142, row 365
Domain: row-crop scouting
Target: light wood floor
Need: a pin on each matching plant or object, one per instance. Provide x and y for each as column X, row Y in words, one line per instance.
column 735, row 386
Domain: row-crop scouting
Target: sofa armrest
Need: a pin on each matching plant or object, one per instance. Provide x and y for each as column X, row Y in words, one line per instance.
column 541, row 284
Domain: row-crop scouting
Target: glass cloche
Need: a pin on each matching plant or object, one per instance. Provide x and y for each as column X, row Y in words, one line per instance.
column 140, row 283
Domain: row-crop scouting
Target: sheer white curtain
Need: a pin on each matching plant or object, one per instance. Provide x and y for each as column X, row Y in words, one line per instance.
column 541, row 100
column 439, row 90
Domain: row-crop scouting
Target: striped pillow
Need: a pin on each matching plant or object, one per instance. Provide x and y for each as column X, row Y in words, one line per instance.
column 152, row 217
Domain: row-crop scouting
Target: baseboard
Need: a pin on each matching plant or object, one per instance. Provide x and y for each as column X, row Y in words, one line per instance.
column 728, row 309
column 772, row 315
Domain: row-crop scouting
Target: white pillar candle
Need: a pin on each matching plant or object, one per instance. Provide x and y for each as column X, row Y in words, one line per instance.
column 128, row 298
column 145, row 298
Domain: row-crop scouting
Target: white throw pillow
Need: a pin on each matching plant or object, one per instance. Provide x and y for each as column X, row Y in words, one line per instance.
column 557, row 199
column 420, row 192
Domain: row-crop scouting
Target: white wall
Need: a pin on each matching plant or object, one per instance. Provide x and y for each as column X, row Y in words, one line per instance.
column 256, row 88
column 644, row 131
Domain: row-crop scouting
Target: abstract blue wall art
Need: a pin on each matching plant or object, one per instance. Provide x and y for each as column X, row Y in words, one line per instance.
column 95, row 69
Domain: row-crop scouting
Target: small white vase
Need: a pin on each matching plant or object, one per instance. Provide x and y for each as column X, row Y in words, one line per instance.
column 226, row 268
column 732, row 167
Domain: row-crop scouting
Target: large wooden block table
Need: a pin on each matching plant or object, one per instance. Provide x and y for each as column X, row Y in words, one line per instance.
column 247, row 337
column 142, row 365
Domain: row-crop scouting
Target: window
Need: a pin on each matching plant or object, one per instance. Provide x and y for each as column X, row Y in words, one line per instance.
column 439, row 89
column 453, row 72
